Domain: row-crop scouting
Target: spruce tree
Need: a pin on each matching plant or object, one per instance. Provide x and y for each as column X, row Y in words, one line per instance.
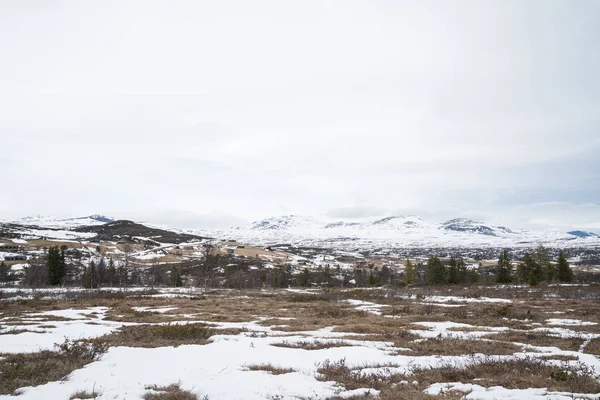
column 435, row 272
column 55, row 265
column 524, row 269
column 111, row 274
column 543, row 264
column 4, row 272
column 454, row 271
column 565, row 274
column 409, row 272
column 504, row 270
column 90, row 279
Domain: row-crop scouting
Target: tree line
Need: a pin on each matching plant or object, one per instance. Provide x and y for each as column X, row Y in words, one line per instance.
column 214, row 270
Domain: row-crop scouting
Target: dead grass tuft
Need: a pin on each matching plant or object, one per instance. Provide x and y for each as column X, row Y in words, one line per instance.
column 593, row 347
column 84, row 395
column 313, row 345
column 457, row 347
column 522, row 373
column 171, row 392
column 270, row 369
column 539, row 339
column 20, row 370
column 164, row 335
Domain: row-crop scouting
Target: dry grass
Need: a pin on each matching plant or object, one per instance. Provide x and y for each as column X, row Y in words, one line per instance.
column 389, row 385
column 20, row 370
column 171, row 392
column 515, row 374
column 14, row 331
column 457, row 347
column 313, row 345
column 539, row 339
column 593, row 347
column 84, row 395
column 270, row 369
column 328, row 309
column 164, row 335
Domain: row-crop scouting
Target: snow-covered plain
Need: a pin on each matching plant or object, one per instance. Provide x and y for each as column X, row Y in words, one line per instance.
column 220, row 369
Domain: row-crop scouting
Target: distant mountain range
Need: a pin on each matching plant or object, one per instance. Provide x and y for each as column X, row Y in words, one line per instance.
column 397, row 231
column 62, row 223
column 406, row 231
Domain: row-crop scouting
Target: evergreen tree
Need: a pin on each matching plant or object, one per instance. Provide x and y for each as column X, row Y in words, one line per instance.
column 56, row 265
column 504, row 270
column 565, row 274
column 372, row 280
column 4, row 272
column 543, row 264
column 90, row 278
column 304, row 278
column 409, row 272
column 551, row 273
column 525, row 267
column 385, row 276
column 435, row 272
column 453, row 271
column 111, row 274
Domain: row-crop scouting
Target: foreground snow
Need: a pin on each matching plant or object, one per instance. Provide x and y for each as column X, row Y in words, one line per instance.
column 476, row 392
column 219, row 369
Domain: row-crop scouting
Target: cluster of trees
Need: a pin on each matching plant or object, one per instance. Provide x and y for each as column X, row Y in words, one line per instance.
column 214, row 270
column 53, row 272
column 534, row 268
column 454, row 272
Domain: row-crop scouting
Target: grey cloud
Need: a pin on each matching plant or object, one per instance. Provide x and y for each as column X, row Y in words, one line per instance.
column 431, row 108
column 355, row 212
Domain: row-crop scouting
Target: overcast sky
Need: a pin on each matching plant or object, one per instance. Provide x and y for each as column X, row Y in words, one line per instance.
column 212, row 113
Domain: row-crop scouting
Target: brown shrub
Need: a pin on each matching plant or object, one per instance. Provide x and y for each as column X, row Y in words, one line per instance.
column 171, row 392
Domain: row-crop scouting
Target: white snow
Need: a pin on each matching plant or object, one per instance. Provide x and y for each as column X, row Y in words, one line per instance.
column 569, row 322
column 367, row 306
column 441, row 330
column 477, row 392
column 45, row 334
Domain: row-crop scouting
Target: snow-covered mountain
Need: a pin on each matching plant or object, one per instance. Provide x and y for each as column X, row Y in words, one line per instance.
column 61, row 223
column 397, row 232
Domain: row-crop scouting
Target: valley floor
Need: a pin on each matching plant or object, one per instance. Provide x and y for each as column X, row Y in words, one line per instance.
column 419, row 343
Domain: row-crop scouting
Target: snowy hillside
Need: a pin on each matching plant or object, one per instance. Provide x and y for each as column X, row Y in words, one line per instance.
column 61, row 223
column 397, row 231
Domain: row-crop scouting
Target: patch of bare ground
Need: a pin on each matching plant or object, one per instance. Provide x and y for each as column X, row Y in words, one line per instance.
column 171, row 392
column 457, row 347
column 83, row 395
column 539, row 339
column 402, row 392
column 313, row 345
column 14, row 331
column 593, row 347
column 271, row 369
column 390, row 386
column 125, row 313
column 519, row 373
column 164, row 335
column 32, row 369
column 558, row 357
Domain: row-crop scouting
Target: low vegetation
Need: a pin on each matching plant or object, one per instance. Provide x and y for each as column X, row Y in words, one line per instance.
column 171, row 392
column 84, row 395
column 20, row 370
column 273, row 370
column 164, row 335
